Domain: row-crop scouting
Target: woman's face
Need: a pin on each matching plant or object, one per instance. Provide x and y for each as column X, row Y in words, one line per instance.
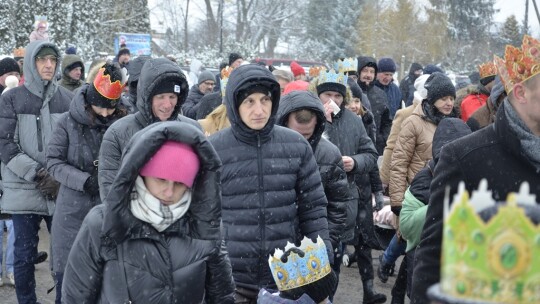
column 354, row 105
column 167, row 191
column 445, row 105
column 104, row 112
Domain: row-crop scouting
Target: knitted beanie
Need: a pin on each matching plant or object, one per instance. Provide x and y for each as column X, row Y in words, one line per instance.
column 206, row 75
column 167, row 85
column 173, row 161
column 46, row 51
column 7, row 65
column 297, row 69
column 431, row 68
column 386, row 65
column 438, row 86
column 332, row 86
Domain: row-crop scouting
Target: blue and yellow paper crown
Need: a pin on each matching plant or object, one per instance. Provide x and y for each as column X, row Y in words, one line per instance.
column 299, row 270
column 346, row 65
column 493, row 261
column 331, row 76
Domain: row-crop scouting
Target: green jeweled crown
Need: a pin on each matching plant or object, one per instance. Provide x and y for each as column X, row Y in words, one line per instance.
column 331, row 76
column 346, row 65
column 298, row 270
column 494, row 261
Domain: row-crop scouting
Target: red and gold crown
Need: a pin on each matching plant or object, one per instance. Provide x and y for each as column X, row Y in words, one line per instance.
column 519, row 65
column 108, row 89
column 487, row 69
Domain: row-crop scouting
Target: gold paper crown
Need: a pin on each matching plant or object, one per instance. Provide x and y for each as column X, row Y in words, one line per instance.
column 299, row 270
column 346, row 65
column 493, row 261
column 519, row 65
column 487, row 69
column 225, row 73
column 314, row 71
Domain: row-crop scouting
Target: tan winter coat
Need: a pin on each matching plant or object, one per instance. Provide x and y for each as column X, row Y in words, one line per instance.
column 411, row 153
column 399, row 118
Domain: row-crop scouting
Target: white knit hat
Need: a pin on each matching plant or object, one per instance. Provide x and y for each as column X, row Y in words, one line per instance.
column 11, row 82
column 420, row 92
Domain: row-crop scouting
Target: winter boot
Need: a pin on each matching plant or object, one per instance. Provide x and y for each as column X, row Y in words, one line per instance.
column 383, row 269
column 370, row 295
column 41, row 257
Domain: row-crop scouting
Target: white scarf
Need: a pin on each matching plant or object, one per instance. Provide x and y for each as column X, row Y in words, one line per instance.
column 148, row 208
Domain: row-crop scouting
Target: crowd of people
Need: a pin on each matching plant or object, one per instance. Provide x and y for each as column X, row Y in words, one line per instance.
column 155, row 192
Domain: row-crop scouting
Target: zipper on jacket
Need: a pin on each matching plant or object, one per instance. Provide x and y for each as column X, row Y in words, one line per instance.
column 39, row 139
column 262, row 209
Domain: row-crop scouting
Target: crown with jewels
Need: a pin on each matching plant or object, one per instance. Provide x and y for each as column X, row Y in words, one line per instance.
column 346, row 65
column 487, row 69
column 494, row 260
column 299, row 266
column 331, row 76
column 108, row 89
column 519, row 65
column 225, row 73
column 314, row 71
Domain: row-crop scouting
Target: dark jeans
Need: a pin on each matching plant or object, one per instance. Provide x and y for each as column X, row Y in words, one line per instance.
column 400, row 286
column 58, row 278
column 26, row 241
column 394, row 250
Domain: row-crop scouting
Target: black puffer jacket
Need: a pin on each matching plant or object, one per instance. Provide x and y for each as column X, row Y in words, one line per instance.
column 272, row 191
column 208, row 103
column 117, row 136
column 492, row 153
column 186, row 263
column 71, row 154
column 328, row 157
column 347, row 132
column 379, row 105
column 193, row 99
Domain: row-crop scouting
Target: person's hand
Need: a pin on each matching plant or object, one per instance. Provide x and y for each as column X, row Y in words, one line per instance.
column 91, row 186
column 328, row 110
column 348, row 163
column 385, row 189
column 379, row 201
column 398, row 231
column 47, row 185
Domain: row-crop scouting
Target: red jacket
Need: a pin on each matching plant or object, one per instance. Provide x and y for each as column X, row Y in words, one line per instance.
column 471, row 103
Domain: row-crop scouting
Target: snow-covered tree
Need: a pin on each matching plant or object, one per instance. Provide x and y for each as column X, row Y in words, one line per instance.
column 59, row 18
column 510, row 32
column 7, row 39
column 84, row 28
column 23, row 21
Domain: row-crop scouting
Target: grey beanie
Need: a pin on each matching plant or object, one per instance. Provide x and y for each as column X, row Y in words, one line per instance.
column 206, row 75
column 438, row 86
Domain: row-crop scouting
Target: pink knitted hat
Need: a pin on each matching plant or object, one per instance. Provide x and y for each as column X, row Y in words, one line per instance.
column 173, row 161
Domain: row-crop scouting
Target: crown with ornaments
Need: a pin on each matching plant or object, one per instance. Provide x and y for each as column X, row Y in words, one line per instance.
column 346, row 65
column 519, row 65
column 225, row 73
column 487, row 69
column 299, row 266
column 326, row 76
column 490, row 250
column 107, row 88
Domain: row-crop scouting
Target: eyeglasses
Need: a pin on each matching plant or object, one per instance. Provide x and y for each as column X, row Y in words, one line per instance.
column 53, row 59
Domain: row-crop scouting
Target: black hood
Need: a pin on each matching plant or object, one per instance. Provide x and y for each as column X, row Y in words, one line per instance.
column 241, row 78
column 153, row 72
column 205, row 208
column 448, row 130
column 364, row 61
column 298, row 100
column 414, row 67
column 135, row 67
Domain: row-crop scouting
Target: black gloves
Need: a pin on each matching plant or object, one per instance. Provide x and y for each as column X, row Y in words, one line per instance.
column 91, row 185
column 46, row 184
column 379, row 201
